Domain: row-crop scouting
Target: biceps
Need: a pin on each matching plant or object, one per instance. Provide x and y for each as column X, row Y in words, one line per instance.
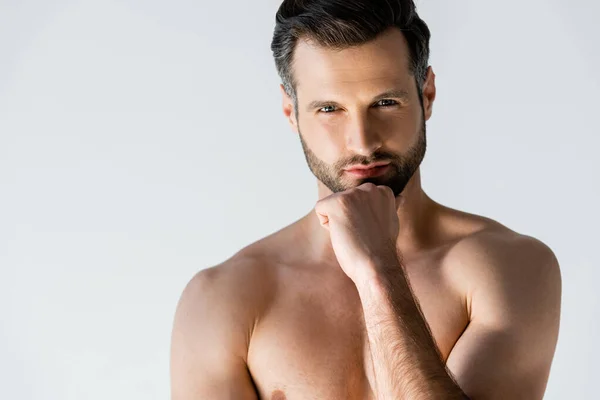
column 228, row 380
column 489, row 363
column 204, row 366
column 208, row 345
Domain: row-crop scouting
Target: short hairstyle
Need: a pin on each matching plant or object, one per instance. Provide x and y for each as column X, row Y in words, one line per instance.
column 339, row 24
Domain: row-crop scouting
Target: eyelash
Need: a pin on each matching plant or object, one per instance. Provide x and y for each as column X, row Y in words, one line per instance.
column 389, row 105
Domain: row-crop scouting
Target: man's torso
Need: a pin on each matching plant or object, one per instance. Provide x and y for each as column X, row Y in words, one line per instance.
column 309, row 341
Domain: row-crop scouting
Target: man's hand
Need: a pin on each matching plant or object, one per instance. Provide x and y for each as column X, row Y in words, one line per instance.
column 363, row 225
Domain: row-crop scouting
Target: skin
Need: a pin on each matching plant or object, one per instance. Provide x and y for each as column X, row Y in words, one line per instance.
column 378, row 292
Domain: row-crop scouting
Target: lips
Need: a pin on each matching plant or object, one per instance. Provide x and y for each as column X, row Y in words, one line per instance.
column 368, row 172
column 365, row 167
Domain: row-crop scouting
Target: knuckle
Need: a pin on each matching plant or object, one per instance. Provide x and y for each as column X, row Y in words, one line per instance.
column 370, row 185
column 345, row 200
column 387, row 189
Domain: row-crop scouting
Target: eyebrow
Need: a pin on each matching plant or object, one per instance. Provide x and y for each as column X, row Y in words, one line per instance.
column 393, row 93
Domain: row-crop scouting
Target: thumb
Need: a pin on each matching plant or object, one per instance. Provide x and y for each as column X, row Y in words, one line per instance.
column 324, row 220
column 321, row 209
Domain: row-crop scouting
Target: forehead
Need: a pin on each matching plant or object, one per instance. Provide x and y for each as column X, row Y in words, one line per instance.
column 380, row 63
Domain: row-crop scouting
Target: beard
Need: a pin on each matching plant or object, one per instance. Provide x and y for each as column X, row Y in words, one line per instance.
column 402, row 166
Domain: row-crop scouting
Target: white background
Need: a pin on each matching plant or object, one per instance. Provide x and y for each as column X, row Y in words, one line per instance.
column 142, row 141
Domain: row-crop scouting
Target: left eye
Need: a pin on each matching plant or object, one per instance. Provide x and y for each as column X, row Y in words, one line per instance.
column 387, row 103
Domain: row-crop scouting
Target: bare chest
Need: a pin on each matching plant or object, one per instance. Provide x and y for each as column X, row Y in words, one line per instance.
column 311, row 342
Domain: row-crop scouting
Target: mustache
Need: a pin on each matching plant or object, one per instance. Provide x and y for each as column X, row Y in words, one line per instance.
column 384, row 158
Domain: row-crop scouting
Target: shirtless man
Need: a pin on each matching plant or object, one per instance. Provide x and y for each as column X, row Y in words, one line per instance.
column 379, row 292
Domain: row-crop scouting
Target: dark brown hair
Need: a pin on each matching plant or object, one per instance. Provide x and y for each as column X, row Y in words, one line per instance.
column 339, row 24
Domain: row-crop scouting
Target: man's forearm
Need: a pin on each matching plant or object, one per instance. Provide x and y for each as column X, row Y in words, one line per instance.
column 406, row 361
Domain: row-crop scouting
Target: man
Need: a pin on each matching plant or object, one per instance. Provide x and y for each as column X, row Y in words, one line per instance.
column 378, row 292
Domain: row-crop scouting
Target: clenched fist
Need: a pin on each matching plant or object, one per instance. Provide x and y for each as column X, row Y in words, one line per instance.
column 363, row 226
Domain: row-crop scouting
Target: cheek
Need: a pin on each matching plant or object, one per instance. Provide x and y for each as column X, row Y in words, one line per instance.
column 327, row 125
column 397, row 117
column 325, row 136
column 403, row 123
column 330, row 149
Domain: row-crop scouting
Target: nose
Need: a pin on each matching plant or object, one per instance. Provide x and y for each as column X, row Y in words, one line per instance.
column 361, row 135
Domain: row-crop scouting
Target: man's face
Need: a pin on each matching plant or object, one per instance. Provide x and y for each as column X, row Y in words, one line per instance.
column 402, row 167
column 359, row 106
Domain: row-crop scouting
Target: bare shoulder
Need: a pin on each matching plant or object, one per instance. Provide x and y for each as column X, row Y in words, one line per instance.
column 229, row 297
column 479, row 245
column 512, row 291
column 238, row 288
column 496, row 246
column 510, row 270
column 214, row 321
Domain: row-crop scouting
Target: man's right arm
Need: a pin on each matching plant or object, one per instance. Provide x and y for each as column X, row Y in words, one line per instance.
column 209, row 344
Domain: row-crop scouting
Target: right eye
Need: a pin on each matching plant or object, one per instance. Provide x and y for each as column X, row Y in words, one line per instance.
column 327, row 109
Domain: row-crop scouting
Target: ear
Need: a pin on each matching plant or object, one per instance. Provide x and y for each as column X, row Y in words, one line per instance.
column 429, row 93
column 288, row 109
